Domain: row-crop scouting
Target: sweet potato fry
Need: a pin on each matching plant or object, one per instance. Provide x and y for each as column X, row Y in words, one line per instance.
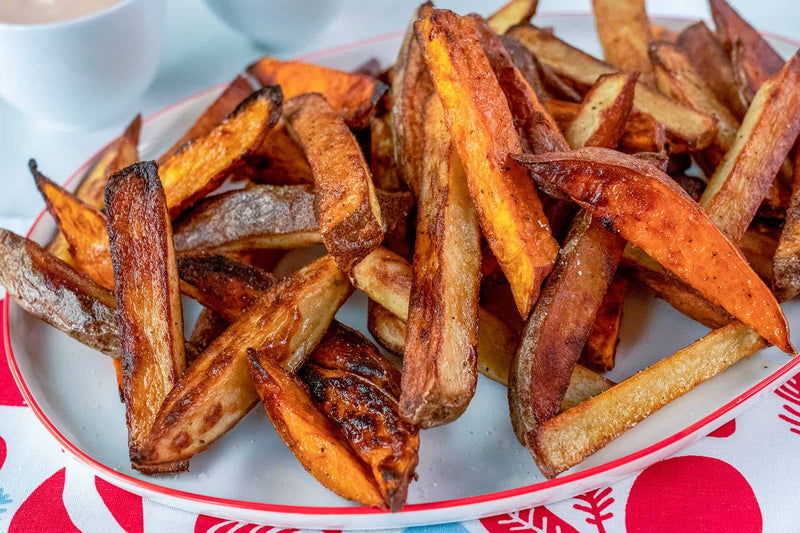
column 695, row 129
column 353, row 96
column 263, row 216
column 388, row 330
column 786, row 263
column 357, row 388
column 512, row 13
column 482, row 129
column 209, row 325
column 224, row 105
column 600, row 351
column 411, row 88
column 53, row 292
column 317, row 442
column 768, row 131
column 567, row 439
column 279, row 160
column 349, row 215
column 202, row 165
column 601, row 120
column 624, row 32
column 440, row 361
column 651, row 211
column 760, row 61
column 216, row 391
column 148, row 295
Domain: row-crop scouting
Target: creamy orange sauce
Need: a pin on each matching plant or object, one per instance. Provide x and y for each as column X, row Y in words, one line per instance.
column 43, row 11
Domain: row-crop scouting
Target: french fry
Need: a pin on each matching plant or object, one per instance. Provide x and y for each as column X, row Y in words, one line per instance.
column 224, row 105
column 570, row 437
column 52, row 291
column 279, row 160
column 512, row 13
column 387, row 329
column 357, row 388
column 209, row 325
column 440, row 361
column 317, row 442
column 602, row 118
column 482, row 129
column 661, row 33
column 287, row 321
column 349, row 215
column 624, row 32
column 786, row 263
column 411, row 88
column 148, row 295
column 600, row 350
column 758, row 245
column 263, row 216
column 385, row 171
column 648, row 209
column 760, row 61
column 695, row 129
column 528, row 66
column 767, row 133
column 353, row 96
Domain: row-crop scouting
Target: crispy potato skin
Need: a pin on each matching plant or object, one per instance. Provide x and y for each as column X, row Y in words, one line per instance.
column 316, row 441
column 482, row 129
column 209, row 325
column 690, row 127
column 440, row 361
column 604, row 112
column 353, row 96
column 600, row 350
column 569, row 438
column 357, row 388
column 262, row 216
column 767, row 133
column 284, row 324
column 148, row 299
column 279, row 160
column 786, row 263
column 387, row 329
column 52, row 291
column 411, row 88
column 651, row 211
column 218, row 111
column 349, row 215
column 624, row 31
column 385, row 171
column 512, row 13
column 202, row 165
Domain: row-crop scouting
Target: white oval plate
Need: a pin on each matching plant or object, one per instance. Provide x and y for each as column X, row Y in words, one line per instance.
column 471, row 468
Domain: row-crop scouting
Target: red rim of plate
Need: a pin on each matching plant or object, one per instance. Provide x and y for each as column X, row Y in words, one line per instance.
column 412, row 508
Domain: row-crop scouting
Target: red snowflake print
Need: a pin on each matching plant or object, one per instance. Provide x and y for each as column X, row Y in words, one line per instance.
column 209, row 524
column 692, row 493
column 790, row 391
column 538, row 519
column 596, row 502
column 44, row 509
column 126, row 508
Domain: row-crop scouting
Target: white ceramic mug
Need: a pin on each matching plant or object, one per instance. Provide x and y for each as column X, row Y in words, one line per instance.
column 83, row 72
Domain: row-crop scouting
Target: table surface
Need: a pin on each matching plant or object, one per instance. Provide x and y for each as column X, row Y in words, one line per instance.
column 200, row 51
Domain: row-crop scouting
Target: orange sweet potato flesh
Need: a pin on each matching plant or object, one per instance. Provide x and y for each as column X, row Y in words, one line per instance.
column 440, row 361
column 624, row 32
column 353, row 96
column 512, row 13
column 482, row 129
column 600, row 351
column 646, row 207
column 349, row 215
column 357, row 388
column 148, row 295
column 285, row 323
column 316, row 441
column 202, row 165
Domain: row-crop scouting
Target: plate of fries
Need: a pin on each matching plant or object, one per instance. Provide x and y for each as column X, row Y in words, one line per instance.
column 452, row 272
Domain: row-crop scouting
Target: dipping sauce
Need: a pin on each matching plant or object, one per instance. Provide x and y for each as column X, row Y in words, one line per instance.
column 44, row 11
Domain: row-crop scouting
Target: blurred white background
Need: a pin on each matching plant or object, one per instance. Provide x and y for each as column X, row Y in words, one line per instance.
column 200, row 51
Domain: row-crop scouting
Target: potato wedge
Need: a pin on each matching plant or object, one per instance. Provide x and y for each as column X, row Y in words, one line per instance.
column 600, row 350
column 357, row 388
column 651, row 211
column 349, row 215
column 567, row 439
column 623, row 28
column 768, row 131
column 695, row 129
column 662, row 33
column 758, row 245
column 545, row 83
column 353, row 96
column 411, row 88
column 263, row 216
column 786, row 263
column 317, row 442
column 385, row 171
column 279, row 160
column 209, row 325
column 760, row 61
column 512, row 13
column 224, row 105
column 202, row 165
column 148, row 295
column 49, row 289
column 440, row 361
column 388, row 330
column 482, row 128
column 604, row 112
column 216, row 391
